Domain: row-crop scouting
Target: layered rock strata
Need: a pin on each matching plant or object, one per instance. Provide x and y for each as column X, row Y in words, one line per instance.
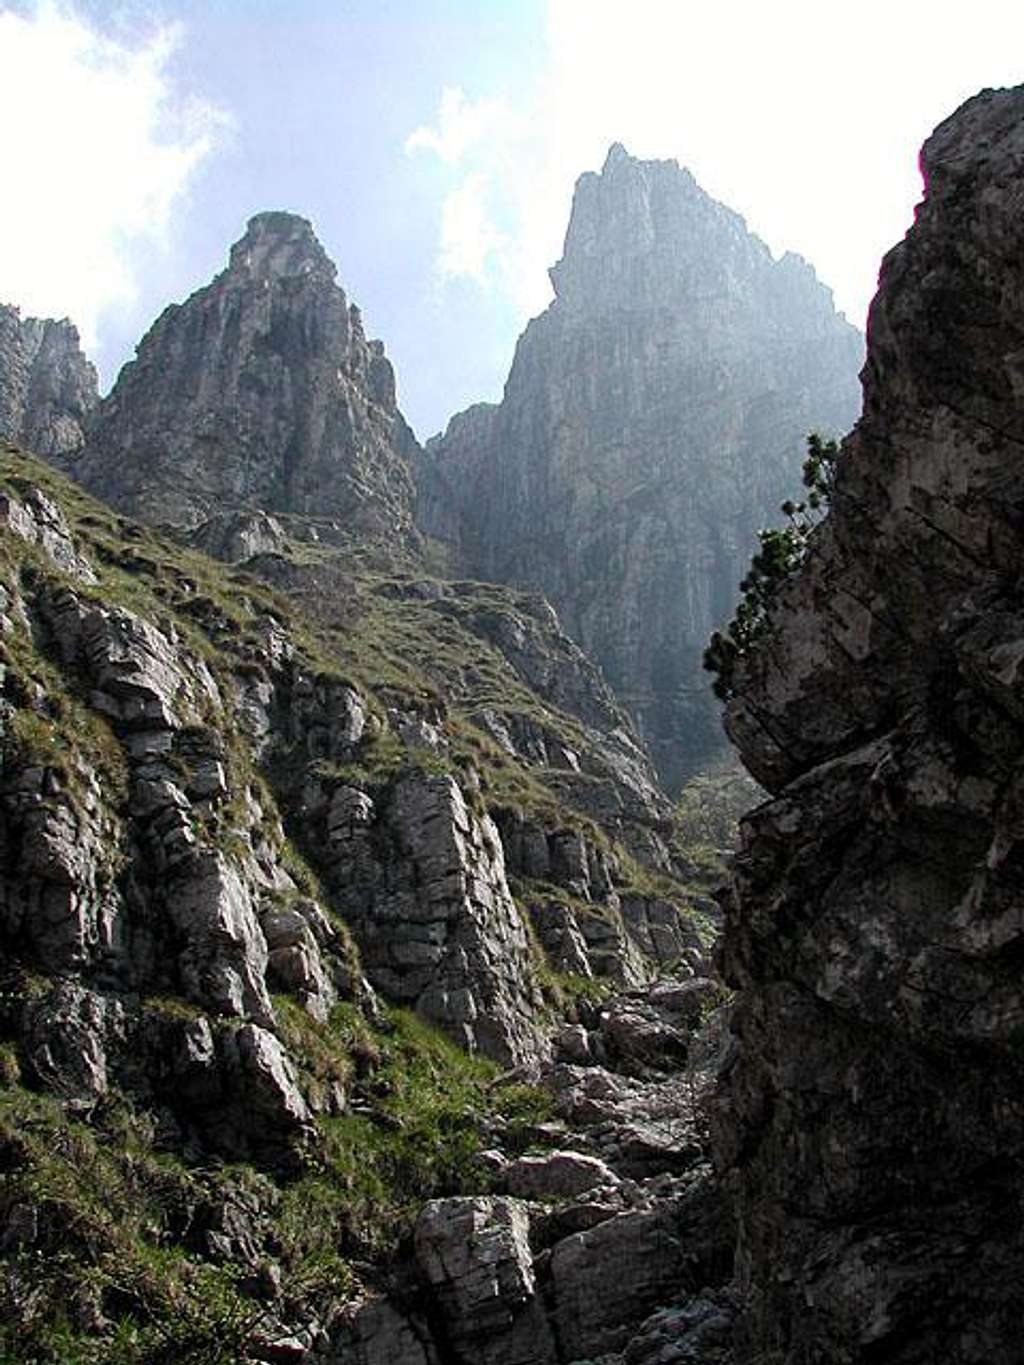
column 261, row 391
column 871, row 1123
column 47, row 387
column 653, row 419
column 175, row 965
column 192, row 1004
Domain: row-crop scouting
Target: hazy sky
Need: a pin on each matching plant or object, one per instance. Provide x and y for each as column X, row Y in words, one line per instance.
column 434, row 144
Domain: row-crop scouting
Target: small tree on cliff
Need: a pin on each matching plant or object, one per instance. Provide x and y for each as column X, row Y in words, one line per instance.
column 782, row 550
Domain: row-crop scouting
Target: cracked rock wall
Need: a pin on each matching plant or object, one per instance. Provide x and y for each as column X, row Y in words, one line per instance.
column 871, row 1124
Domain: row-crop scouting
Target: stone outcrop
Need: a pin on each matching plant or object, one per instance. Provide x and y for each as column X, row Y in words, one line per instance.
column 261, row 391
column 653, row 420
column 870, row 1123
column 475, row 1254
column 423, row 886
column 47, row 387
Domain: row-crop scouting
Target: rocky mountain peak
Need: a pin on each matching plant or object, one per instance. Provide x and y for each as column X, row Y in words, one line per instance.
column 47, row 387
column 654, row 418
column 278, row 246
column 261, row 391
column 638, row 223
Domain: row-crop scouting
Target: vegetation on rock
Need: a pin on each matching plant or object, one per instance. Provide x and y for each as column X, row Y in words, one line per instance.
column 782, row 551
column 213, row 1131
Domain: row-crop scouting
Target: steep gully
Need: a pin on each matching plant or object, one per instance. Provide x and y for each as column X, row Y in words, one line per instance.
column 867, row 1126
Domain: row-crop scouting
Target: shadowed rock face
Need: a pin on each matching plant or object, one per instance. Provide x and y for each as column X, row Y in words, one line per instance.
column 260, row 391
column 872, row 1123
column 653, row 419
column 47, row 387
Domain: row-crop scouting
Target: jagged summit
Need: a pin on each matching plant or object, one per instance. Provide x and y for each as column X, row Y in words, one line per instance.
column 260, row 391
column 277, row 245
column 616, row 154
column 642, row 226
column 654, row 418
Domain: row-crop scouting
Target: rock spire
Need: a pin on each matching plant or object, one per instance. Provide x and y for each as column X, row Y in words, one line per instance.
column 260, row 391
column 47, row 387
column 654, row 418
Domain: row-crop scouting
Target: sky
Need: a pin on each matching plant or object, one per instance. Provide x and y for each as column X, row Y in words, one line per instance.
column 435, row 144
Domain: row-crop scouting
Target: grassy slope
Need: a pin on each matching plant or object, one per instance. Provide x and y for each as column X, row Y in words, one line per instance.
column 104, row 1257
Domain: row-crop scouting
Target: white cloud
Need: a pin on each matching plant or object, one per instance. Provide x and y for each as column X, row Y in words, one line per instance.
column 461, row 125
column 804, row 117
column 98, row 150
column 478, row 132
column 470, row 242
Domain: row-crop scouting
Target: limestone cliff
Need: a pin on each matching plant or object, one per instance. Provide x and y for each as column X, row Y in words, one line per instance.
column 47, row 387
column 871, row 1122
column 252, row 860
column 260, row 391
column 653, row 419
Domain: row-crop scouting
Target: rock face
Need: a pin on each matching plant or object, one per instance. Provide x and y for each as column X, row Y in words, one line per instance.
column 424, row 888
column 47, row 387
column 260, row 392
column 653, row 419
column 171, row 963
column 871, row 1122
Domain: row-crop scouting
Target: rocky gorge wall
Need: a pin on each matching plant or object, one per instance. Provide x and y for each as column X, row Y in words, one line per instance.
column 871, row 1126
column 242, row 888
column 275, row 830
column 653, row 419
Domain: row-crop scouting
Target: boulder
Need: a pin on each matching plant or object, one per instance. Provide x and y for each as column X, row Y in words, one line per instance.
column 555, row 1175
column 475, row 1256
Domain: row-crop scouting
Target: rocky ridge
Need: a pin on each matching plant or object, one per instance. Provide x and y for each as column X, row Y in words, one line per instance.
column 260, row 392
column 227, row 860
column 870, row 1122
column 653, row 419
column 48, row 388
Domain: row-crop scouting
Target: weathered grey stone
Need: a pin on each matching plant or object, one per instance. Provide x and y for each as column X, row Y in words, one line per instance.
column 327, row 716
column 234, row 536
column 67, row 1035
column 658, row 929
column 376, row 1333
column 426, row 895
column 699, row 1332
column 607, row 1280
column 143, row 678
column 38, row 520
column 294, row 956
column 556, row 1175
column 260, row 391
column 265, row 1080
column 47, row 387
column 559, row 933
column 574, row 1044
column 610, row 951
column 224, row 962
column 654, row 418
column 869, row 1119
column 612, row 1275
column 475, row 1255
column 58, row 897
column 637, row 1034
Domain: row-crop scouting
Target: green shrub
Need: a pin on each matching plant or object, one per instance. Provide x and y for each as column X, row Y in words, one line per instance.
column 782, row 551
